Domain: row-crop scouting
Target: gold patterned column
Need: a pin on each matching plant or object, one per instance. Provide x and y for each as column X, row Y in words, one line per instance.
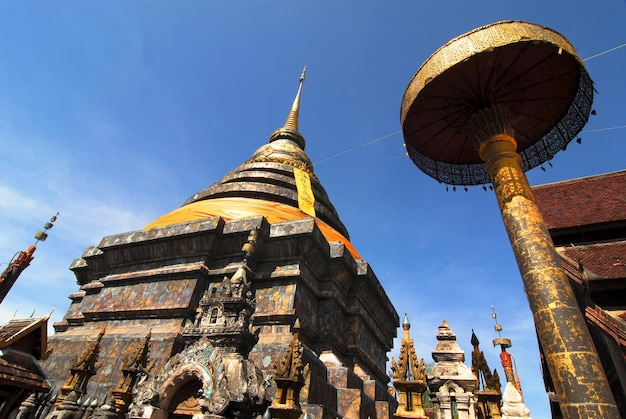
column 578, row 376
column 499, row 81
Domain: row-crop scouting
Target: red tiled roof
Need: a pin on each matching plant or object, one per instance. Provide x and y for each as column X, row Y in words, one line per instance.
column 584, row 201
column 604, row 260
column 19, row 330
column 21, row 371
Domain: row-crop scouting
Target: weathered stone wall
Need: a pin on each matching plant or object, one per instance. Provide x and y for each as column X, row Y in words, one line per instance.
column 153, row 280
column 119, row 338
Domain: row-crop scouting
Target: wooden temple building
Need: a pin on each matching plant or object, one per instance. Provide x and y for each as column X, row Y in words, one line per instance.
column 586, row 218
column 22, row 345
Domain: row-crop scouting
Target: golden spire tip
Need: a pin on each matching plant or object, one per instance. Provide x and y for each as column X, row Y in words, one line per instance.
column 292, row 119
column 290, row 129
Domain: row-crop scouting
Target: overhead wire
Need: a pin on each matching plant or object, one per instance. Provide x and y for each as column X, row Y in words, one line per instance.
column 603, row 129
column 605, row 52
column 368, row 160
column 375, row 140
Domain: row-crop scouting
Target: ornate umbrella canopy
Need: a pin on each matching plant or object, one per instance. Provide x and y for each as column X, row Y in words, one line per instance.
column 525, row 80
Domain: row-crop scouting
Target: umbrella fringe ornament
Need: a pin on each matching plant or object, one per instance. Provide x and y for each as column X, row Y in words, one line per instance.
column 484, row 108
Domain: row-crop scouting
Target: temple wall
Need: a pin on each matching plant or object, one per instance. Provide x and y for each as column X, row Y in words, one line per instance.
column 142, row 296
column 152, row 281
column 120, row 337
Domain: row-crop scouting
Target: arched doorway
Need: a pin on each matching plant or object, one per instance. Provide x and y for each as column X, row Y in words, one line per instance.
column 185, row 402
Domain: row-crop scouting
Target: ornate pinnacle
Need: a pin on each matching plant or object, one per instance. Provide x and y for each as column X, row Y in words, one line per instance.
column 42, row 235
column 405, row 323
column 408, row 367
column 292, row 120
column 409, row 377
column 135, row 358
column 485, row 378
column 474, row 340
column 289, row 375
column 291, row 365
column 133, row 364
column 250, row 245
column 86, row 360
column 82, row 368
column 290, row 130
column 503, row 342
column 21, row 262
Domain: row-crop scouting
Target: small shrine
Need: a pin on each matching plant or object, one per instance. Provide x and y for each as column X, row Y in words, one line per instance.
column 409, row 377
column 451, row 382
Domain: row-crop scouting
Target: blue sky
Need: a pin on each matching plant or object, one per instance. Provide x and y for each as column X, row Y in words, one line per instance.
column 114, row 113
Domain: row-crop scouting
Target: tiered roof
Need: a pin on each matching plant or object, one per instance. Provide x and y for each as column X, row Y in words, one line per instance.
column 22, row 342
column 584, row 201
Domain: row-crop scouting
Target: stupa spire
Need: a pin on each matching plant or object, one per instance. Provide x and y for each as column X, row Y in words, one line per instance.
column 292, row 120
column 268, row 176
column 290, row 130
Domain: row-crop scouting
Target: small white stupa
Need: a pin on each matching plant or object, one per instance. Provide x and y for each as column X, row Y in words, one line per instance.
column 513, row 406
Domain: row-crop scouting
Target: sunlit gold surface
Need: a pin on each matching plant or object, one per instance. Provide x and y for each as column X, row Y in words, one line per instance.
column 290, row 130
column 579, row 379
column 532, row 74
column 234, row 208
column 292, row 118
column 483, row 39
column 283, row 151
column 459, row 115
column 409, row 378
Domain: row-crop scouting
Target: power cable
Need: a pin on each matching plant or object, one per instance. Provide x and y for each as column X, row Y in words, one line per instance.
column 367, row 161
column 603, row 129
column 398, row 131
column 403, row 156
column 359, row 146
column 605, row 52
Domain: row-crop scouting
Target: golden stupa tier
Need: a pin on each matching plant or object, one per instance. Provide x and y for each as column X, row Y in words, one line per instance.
column 269, row 175
column 237, row 208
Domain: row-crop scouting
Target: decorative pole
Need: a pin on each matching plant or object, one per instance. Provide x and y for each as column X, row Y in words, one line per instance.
column 505, row 358
column 21, row 262
column 487, row 106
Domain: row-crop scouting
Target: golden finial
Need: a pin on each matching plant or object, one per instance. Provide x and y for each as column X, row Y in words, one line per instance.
column 405, row 323
column 292, row 119
column 290, row 130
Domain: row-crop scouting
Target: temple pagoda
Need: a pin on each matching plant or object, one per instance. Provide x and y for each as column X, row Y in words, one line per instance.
column 248, row 292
